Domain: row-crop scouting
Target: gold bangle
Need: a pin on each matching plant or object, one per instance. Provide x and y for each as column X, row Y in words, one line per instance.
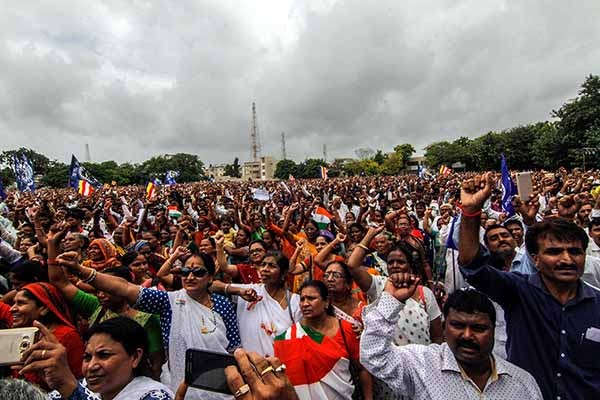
column 362, row 246
column 227, row 288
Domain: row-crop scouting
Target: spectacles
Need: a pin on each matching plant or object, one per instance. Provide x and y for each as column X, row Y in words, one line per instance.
column 198, row 272
column 256, row 251
column 334, row 274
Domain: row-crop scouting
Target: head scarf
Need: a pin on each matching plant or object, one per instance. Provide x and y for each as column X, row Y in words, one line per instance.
column 50, row 297
column 139, row 244
column 108, row 251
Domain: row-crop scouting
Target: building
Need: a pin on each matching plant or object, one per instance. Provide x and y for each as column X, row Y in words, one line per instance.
column 217, row 172
column 261, row 169
column 414, row 163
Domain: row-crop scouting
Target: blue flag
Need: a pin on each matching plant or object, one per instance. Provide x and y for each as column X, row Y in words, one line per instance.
column 508, row 189
column 170, row 177
column 23, row 173
column 450, row 244
column 2, row 192
column 77, row 172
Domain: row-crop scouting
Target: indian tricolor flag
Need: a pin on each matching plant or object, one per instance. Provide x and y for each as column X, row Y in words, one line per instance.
column 150, row 190
column 322, row 217
column 85, row 189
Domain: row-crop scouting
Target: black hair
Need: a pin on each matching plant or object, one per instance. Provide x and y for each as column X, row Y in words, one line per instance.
column 207, row 260
column 282, row 262
column 76, row 213
column 594, row 222
column 357, row 226
column 30, row 271
column 211, row 239
column 345, row 268
column 129, row 257
column 121, row 272
column 513, row 222
column 407, row 251
column 470, row 301
column 490, row 228
column 262, row 243
column 129, row 334
column 323, row 292
column 556, row 228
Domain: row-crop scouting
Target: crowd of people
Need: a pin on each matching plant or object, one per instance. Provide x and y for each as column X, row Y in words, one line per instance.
column 367, row 288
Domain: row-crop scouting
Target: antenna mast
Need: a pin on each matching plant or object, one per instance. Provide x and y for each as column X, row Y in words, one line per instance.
column 325, row 152
column 88, row 156
column 254, row 137
column 283, row 152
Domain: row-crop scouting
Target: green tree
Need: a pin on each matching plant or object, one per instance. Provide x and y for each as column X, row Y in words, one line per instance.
column 285, row 168
column 310, row 168
column 379, row 157
column 405, row 151
column 188, row 165
column 57, row 175
column 39, row 161
column 234, row 169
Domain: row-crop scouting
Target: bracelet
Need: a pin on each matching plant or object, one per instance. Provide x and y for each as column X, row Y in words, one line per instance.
column 362, row 246
column 227, row 288
column 90, row 278
column 471, row 215
column 52, row 261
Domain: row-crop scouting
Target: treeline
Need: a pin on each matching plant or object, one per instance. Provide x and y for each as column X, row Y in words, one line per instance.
column 570, row 139
column 56, row 174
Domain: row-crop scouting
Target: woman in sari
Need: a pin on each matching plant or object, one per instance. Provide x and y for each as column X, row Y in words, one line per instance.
column 191, row 317
column 43, row 302
column 101, row 255
column 318, row 350
column 113, row 364
column 266, row 309
column 339, row 283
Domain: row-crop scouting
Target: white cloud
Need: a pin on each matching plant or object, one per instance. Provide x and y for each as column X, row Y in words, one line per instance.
column 139, row 79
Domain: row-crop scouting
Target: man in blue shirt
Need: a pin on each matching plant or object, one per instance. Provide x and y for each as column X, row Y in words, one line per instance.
column 553, row 317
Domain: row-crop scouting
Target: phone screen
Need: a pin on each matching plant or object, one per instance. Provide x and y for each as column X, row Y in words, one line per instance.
column 206, row 370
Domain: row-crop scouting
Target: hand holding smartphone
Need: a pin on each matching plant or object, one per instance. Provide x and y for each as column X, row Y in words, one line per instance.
column 14, row 342
column 206, row 370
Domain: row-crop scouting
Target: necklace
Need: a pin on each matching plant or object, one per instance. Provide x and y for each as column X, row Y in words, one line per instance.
column 204, row 329
column 275, row 298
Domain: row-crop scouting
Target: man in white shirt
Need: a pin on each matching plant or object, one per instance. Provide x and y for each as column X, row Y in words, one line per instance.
column 461, row 368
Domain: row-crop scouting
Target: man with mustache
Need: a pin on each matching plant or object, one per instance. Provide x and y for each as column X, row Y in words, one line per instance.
column 552, row 315
column 461, row 368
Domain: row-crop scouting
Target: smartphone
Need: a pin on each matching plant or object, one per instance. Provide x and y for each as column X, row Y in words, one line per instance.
column 13, row 342
column 206, row 370
column 524, row 185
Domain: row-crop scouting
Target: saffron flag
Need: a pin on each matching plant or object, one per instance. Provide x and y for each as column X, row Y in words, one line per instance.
column 323, row 172
column 445, row 170
column 23, row 173
column 322, row 217
column 509, row 190
column 150, row 190
column 85, row 188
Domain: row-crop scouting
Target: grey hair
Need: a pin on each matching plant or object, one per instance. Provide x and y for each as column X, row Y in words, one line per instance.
column 18, row 389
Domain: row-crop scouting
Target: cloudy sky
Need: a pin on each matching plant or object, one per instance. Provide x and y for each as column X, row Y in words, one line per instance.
column 134, row 79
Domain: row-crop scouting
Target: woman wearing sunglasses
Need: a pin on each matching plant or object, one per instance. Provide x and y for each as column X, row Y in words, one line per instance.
column 191, row 317
column 266, row 309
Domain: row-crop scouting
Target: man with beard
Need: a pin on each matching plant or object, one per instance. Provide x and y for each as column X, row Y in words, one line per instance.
column 552, row 315
column 461, row 368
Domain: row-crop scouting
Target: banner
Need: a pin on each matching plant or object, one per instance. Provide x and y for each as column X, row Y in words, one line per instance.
column 23, row 173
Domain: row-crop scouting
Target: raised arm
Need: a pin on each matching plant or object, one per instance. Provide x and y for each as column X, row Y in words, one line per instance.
column 222, row 264
column 107, row 283
column 359, row 273
column 473, row 194
column 323, row 255
column 164, row 273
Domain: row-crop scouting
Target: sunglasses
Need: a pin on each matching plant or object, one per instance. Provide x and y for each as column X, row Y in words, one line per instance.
column 198, row 272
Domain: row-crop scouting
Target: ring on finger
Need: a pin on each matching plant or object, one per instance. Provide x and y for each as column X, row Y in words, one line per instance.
column 266, row 370
column 44, row 353
column 244, row 389
column 281, row 368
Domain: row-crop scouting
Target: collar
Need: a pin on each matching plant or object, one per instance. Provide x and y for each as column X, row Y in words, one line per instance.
column 583, row 291
column 449, row 363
